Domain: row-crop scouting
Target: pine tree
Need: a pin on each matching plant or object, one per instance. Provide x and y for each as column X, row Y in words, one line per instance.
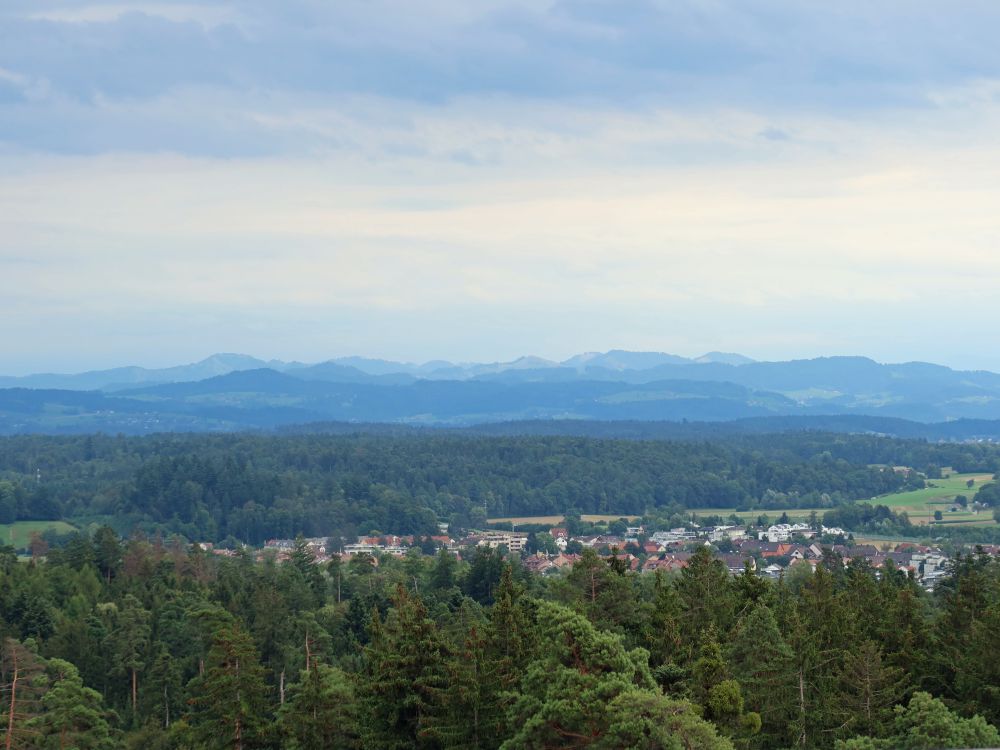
column 73, row 715
column 926, row 723
column 130, row 640
column 21, row 687
column 565, row 697
column 650, row 721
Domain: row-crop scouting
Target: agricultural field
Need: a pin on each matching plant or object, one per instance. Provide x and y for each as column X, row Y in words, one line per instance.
column 555, row 520
column 920, row 505
column 795, row 515
column 19, row 534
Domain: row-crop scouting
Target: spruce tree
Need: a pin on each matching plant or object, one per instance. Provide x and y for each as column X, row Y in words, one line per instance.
column 763, row 663
column 321, row 711
column 868, row 689
column 228, row 707
column 404, row 676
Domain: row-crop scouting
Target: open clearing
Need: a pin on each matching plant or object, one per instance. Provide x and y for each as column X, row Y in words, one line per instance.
column 19, row 534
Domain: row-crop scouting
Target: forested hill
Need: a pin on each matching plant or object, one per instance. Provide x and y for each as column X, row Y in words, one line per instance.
column 252, row 487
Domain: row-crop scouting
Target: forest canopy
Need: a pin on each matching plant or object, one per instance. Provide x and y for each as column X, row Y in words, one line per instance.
column 252, row 487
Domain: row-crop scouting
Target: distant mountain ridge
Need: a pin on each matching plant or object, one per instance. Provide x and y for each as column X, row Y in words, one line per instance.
column 350, row 369
column 233, row 391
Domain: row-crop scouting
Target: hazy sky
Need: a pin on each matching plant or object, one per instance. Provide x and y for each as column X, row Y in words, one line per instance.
column 479, row 179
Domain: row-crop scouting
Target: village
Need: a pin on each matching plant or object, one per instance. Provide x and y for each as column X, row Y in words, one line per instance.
column 773, row 551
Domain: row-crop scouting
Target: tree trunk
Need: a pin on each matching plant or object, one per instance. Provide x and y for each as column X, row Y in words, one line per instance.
column 281, row 688
column 802, row 707
column 13, row 702
column 135, row 684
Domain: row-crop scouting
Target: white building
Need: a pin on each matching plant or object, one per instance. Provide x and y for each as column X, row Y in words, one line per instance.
column 513, row 541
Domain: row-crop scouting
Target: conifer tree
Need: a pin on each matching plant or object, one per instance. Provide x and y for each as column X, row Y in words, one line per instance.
column 321, row 711
column 162, row 698
column 303, row 560
column 663, row 637
column 719, row 695
column 926, row 723
column 763, row 663
column 650, row 721
column 565, row 697
column 130, row 641
column 977, row 681
column 705, row 591
column 228, row 707
column 21, row 687
column 467, row 714
column 72, row 715
column 868, row 689
column 404, row 676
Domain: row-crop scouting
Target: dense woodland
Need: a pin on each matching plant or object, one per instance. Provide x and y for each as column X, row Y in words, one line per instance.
column 155, row 645
column 254, row 487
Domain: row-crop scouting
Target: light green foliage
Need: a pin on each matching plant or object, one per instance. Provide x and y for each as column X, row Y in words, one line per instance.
column 645, row 720
column 927, row 724
column 566, row 696
column 602, row 590
column 72, row 715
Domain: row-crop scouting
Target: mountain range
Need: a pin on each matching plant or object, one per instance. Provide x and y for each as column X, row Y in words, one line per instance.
column 235, row 391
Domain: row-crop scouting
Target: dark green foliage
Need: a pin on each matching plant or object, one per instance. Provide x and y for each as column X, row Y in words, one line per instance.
column 321, row 711
column 228, row 704
column 404, row 677
column 253, row 487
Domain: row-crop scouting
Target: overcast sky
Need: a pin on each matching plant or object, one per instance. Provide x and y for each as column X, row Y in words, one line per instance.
column 480, row 179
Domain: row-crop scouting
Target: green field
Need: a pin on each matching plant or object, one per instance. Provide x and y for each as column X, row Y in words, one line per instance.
column 19, row 534
column 921, row 504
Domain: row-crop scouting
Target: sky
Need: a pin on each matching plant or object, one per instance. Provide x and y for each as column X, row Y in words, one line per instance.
column 308, row 179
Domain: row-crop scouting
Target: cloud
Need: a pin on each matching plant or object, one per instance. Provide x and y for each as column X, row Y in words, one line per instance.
column 109, row 67
column 481, row 179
